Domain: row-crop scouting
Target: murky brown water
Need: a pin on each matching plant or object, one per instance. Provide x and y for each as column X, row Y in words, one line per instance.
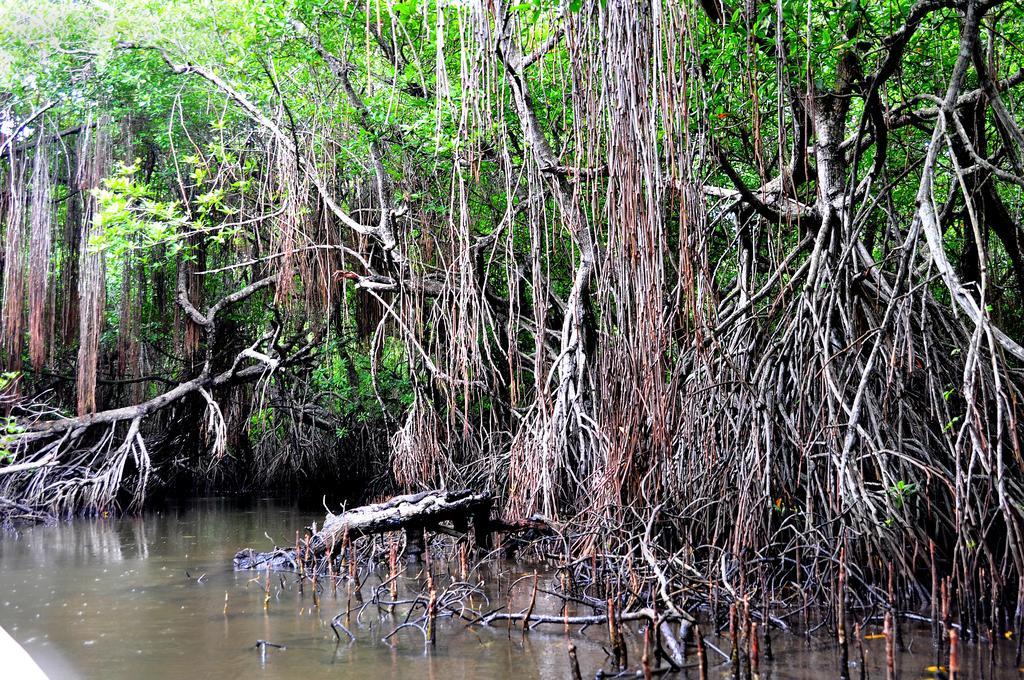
column 109, row 598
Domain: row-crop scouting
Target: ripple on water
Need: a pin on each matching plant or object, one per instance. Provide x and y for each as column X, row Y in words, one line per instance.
column 137, row 627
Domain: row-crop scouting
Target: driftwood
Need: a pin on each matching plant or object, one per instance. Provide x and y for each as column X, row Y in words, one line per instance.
column 410, row 512
column 413, row 513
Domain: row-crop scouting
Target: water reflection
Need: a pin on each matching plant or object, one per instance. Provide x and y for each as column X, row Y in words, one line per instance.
column 145, row 598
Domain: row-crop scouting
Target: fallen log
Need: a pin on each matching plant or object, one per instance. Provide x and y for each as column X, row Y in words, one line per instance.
column 412, row 513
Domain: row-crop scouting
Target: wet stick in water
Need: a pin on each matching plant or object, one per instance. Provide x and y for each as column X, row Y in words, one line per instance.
column 393, row 570
column 330, row 568
column 611, row 629
column 745, row 632
column 734, row 653
column 767, row 623
column 713, row 600
column 613, row 635
column 343, row 567
column 702, row 667
column 563, row 579
column 858, row 635
column 432, row 613
column 645, row 660
column 991, row 650
column 944, row 599
column 894, row 608
column 806, row 614
column 954, row 654
column 353, row 559
column 533, row 603
column 574, row 663
column 944, row 622
column 755, row 652
column 935, row 596
column 623, row 652
column 1018, row 619
column 668, row 646
column 844, row 654
column 890, row 656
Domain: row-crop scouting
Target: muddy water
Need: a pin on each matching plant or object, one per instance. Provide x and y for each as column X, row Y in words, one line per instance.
column 145, row 598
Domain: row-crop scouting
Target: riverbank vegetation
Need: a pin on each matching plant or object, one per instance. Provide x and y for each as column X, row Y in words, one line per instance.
column 732, row 291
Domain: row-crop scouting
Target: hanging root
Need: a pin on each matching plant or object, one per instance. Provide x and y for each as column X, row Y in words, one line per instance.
column 739, row 325
column 69, row 473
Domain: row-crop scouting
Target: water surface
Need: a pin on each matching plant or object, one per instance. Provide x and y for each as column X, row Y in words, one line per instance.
column 144, row 597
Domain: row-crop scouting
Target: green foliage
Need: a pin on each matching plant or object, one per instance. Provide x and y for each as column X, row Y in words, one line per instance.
column 356, row 392
column 902, row 492
column 131, row 219
column 210, row 161
column 9, row 426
